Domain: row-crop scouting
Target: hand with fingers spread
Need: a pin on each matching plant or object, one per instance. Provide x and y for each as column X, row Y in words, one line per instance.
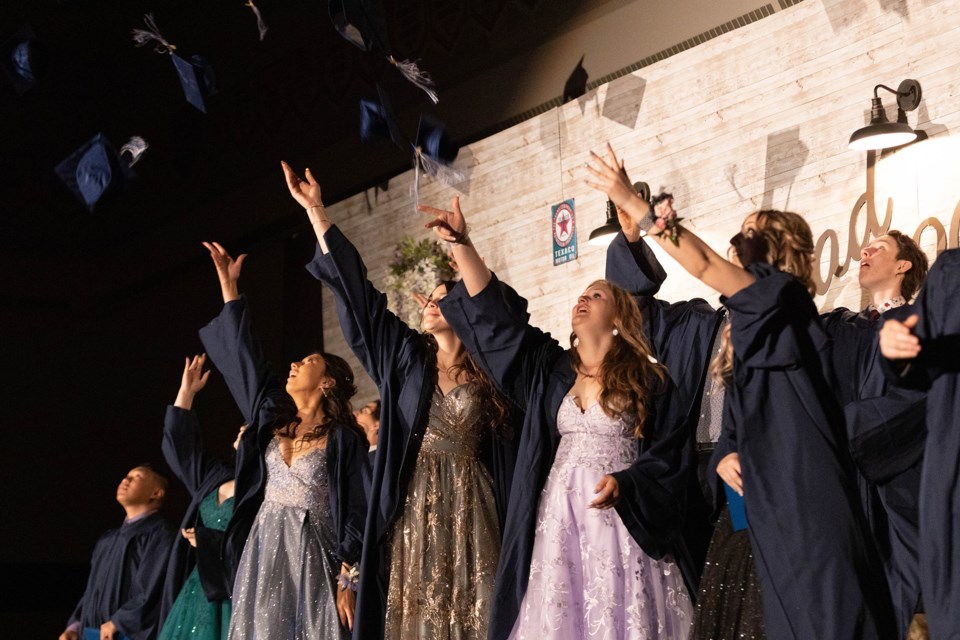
column 608, row 490
column 610, row 177
column 228, row 270
column 193, row 380
column 729, row 471
column 305, row 191
column 897, row 341
column 448, row 225
column 630, row 229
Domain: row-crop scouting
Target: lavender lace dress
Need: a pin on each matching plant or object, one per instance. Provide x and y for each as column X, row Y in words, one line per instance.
column 588, row 577
column 285, row 581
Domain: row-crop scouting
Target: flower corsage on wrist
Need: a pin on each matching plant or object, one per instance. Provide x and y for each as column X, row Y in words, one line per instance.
column 349, row 577
column 665, row 218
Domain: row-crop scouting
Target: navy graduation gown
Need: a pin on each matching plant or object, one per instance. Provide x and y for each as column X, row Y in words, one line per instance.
column 936, row 370
column 819, row 571
column 201, row 474
column 681, row 335
column 886, row 434
column 232, row 346
column 126, row 578
column 404, row 369
column 532, row 369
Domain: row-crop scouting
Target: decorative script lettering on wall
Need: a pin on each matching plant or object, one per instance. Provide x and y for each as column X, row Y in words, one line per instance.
column 829, row 240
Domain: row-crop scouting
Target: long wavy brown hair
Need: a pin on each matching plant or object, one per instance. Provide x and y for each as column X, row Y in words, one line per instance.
column 790, row 248
column 494, row 410
column 335, row 402
column 629, row 376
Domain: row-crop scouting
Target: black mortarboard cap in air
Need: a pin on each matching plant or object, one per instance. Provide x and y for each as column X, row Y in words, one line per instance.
column 196, row 78
column 377, row 120
column 364, row 24
column 434, row 152
column 195, row 73
column 24, row 59
column 434, row 142
column 94, row 171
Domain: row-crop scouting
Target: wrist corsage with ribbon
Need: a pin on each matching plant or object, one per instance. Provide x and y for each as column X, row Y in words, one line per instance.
column 665, row 218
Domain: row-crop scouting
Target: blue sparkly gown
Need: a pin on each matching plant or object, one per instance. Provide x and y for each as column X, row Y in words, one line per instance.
column 285, row 586
column 192, row 616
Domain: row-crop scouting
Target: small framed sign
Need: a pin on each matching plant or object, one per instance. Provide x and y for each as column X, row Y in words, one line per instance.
column 563, row 219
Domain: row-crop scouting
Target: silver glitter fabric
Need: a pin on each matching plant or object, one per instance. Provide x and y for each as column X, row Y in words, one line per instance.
column 285, row 587
column 444, row 548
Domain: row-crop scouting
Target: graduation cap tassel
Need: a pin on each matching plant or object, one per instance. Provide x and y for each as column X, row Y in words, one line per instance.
column 442, row 172
column 417, row 155
column 419, row 78
column 133, row 149
column 261, row 25
column 143, row 37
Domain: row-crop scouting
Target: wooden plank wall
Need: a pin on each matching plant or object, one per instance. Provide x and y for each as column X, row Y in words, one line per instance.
column 759, row 117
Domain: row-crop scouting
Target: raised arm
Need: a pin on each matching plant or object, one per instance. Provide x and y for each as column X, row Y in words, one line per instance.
column 451, row 227
column 375, row 334
column 306, row 191
column 234, row 348
column 182, row 444
column 690, row 251
column 488, row 315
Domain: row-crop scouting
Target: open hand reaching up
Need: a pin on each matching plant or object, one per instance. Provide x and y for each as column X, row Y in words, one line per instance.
column 228, row 270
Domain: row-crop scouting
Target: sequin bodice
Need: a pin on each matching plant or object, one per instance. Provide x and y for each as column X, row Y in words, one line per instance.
column 594, row 440
column 452, row 426
column 303, row 484
column 214, row 515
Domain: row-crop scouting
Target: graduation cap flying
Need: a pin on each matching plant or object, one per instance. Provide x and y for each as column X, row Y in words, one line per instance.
column 196, row 74
column 96, row 170
column 363, row 24
column 23, row 59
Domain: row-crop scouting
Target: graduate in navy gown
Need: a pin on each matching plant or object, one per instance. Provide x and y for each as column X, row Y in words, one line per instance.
column 196, row 593
column 885, row 425
column 820, row 574
column 300, row 500
column 684, row 337
column 595, row 512
column 443, row 461
column 122, row 598
column 923, row 353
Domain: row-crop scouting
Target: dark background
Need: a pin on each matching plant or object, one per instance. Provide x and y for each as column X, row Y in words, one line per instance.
column 98, row 310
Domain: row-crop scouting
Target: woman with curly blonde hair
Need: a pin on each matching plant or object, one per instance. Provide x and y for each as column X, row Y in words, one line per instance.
column 599, row 432
column 820, row 572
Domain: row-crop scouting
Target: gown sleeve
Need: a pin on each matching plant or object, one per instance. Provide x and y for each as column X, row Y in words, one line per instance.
column 493, row 326
column 376, row 335
column 184, row 452
column 653, row 489
column 233, row 347
column 352, row 465
column 140, row 610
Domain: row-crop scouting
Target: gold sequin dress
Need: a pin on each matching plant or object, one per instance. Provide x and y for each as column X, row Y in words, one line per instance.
column 445, row 546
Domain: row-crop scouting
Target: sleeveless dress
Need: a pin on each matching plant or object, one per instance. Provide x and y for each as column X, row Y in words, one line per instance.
column 588, row 576
column 445, row 546
column 285, row 587
column 192, row 615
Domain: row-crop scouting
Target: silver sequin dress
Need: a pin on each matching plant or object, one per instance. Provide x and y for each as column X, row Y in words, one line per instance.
column 285, row 587
column 445, row 546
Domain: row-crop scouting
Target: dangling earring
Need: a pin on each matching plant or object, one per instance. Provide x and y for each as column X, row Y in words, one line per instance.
column 615, row 332
column 576, row 341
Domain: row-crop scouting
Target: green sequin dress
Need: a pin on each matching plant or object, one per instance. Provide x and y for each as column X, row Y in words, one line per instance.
column 192, row 616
